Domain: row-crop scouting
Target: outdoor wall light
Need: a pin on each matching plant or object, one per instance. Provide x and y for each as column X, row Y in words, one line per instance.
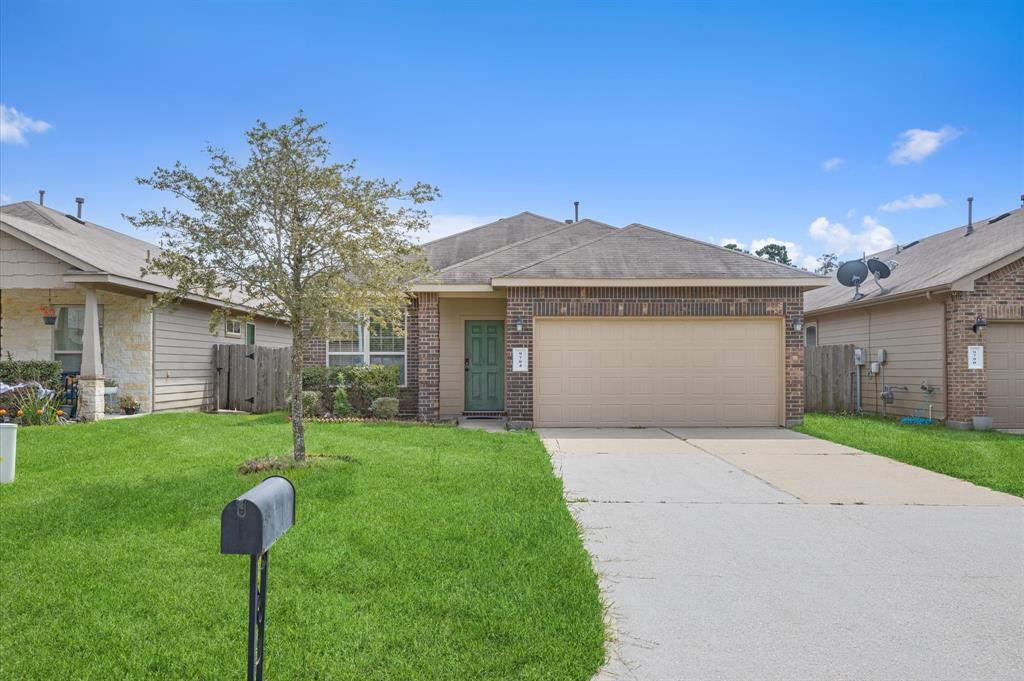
column 519, row 324
column 798, row 324
column 979, row 324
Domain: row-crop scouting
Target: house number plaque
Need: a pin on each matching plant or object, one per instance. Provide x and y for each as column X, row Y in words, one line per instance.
column 520, row 359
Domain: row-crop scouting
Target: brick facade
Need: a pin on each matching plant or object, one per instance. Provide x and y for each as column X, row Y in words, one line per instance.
column 524, row 304
column 998, row 296
column 421, row 397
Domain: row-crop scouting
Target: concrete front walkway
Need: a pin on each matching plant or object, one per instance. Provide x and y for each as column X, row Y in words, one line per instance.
column 765, row 554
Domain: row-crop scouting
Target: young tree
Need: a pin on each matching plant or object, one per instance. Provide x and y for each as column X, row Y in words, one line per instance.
column 827, row 263
column 291, row 235
column 775, row 253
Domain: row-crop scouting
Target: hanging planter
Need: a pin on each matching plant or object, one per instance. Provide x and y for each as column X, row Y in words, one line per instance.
column 49, row 313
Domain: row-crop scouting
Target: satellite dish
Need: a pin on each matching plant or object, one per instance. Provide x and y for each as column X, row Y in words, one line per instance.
column 853, row 273
column 879, row 270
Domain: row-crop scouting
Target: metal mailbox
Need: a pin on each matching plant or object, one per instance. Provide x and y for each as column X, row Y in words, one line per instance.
column 250, row 524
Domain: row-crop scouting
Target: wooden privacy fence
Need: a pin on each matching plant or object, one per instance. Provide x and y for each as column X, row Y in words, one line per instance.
column 829, row 378
column 251, row 377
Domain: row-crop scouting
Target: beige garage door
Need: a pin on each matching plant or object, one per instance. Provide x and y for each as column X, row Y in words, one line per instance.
column 657, row 372
column 1005, row 367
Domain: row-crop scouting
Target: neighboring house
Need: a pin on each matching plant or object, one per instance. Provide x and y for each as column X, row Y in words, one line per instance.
column 926, row 322
column 106, row 325
column 585, row 324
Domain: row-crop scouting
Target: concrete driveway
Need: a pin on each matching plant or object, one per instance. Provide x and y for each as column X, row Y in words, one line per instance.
column 766, row 554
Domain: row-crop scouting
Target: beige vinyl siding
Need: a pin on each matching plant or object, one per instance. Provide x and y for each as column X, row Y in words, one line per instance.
column 183, row 354
column 912, row 334
column 454, row 312
column 25, row 266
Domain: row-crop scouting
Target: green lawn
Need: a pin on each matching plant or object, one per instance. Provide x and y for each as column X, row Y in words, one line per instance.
column 440, row 554
column 990, row 459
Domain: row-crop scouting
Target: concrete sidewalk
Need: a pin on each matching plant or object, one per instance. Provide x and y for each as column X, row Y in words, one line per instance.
column 765, row 554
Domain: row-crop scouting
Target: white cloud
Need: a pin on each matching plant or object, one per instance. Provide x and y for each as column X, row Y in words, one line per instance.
column 915, row 145
column 910, row 201
column 14, row 125
column 836, row 238
column 4, row 198
column 830, row 164
column 447, row 224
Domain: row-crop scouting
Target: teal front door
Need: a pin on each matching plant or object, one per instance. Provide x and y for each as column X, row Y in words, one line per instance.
column 485, row 367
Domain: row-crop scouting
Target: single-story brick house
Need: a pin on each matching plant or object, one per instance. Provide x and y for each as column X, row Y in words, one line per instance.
column 927, row 322
column 585, row 324
column 106, row 326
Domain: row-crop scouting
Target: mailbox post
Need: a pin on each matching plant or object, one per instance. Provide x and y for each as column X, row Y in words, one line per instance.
column 250, row 525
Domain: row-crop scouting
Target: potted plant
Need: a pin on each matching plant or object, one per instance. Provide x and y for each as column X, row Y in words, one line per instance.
column 129, row 405
column 49, row 313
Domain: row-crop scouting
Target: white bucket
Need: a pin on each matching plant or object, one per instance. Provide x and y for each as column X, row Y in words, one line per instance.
column 8, row 449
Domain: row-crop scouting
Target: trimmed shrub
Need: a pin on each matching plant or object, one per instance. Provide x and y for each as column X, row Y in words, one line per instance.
column 310, row 403
column 367, row 382
column 315, row 378
column 341, row 403
column 45, row 372
column 384, row 407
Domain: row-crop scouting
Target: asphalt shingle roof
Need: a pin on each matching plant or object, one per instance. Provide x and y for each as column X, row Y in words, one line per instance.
column 641, row 252
column 104, row 250
column 483, row 268
column 933, row 262
column 485, row 238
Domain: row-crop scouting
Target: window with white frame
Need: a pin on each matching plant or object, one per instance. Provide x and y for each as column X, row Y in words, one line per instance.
column 68, row 333
column 368, row 344
column 232, row 327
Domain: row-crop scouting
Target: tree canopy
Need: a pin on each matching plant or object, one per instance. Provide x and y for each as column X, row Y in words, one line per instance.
column 291, row 235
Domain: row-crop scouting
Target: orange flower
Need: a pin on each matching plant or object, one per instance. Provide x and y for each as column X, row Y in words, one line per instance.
column 60, row 412
column 20, row 413
column 39, row 411
column 3, row 412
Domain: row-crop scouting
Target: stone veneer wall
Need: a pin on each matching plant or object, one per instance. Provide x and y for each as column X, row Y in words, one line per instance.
column 127, row 334
column 997, row 296
column 527, row 303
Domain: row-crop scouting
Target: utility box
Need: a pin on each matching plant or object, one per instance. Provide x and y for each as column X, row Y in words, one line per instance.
column 8, row 451
column 858, row 357
column 250, row 524
column 881, row 356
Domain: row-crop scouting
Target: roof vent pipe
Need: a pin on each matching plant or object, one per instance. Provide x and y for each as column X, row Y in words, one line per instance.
column 576, row 204
column 79, row 200
column 1022, row 200
column 42, row 192
column 970, row 215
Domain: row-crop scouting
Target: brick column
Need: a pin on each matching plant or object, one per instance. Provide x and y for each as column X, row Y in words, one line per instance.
column 967, row 389
column 793, row 309
column 519, row 385
column 428, row 353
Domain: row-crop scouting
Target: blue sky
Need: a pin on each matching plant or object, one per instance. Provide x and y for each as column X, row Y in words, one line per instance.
column 749, row 121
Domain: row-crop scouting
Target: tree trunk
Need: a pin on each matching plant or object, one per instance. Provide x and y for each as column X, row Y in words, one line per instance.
column 298, row 429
